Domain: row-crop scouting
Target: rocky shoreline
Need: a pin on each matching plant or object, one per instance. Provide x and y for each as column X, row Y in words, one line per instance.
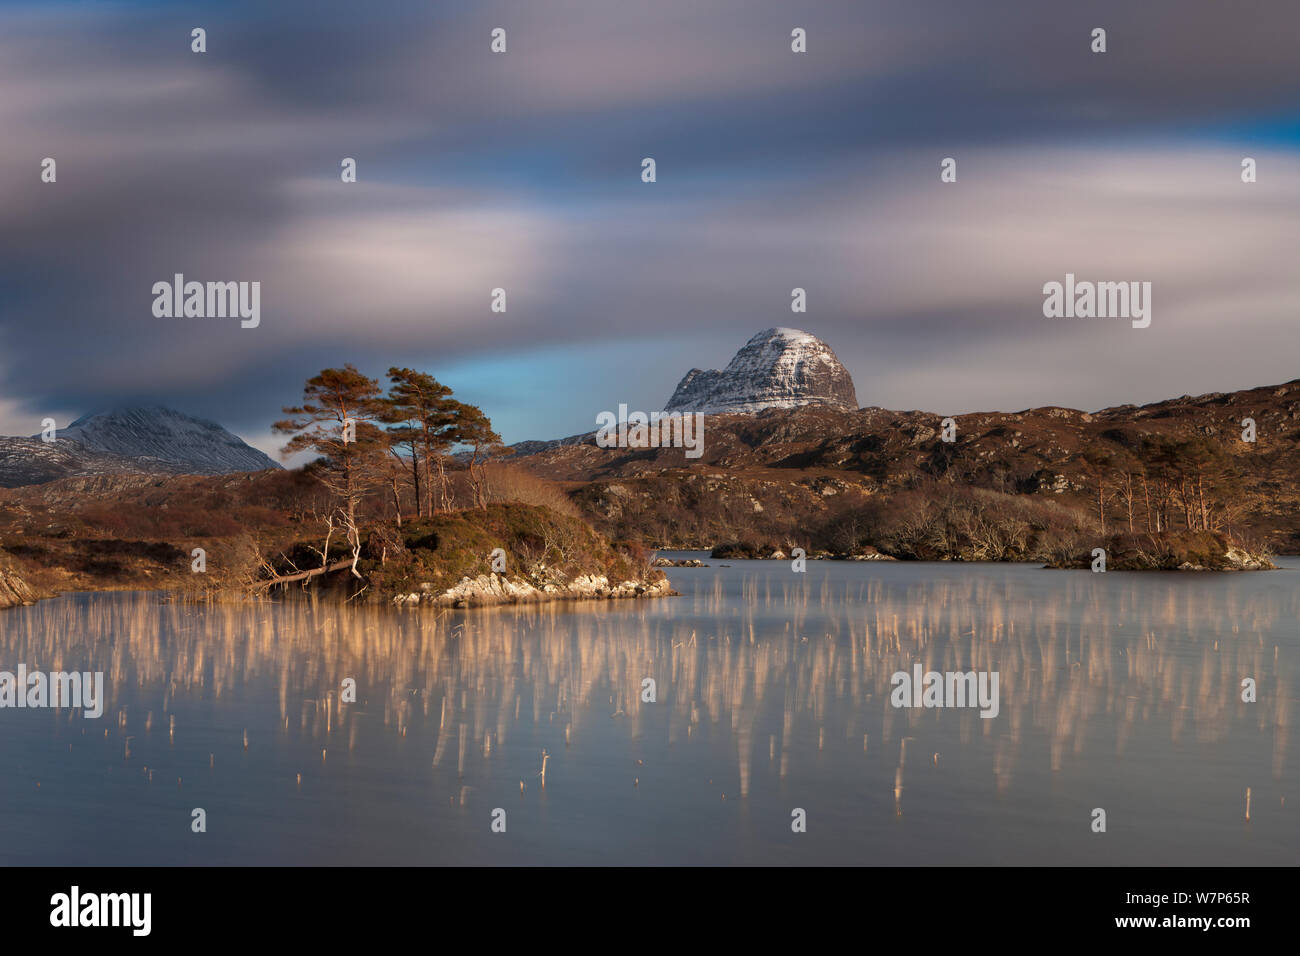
column 1211, row 554
column 495, row 589
column 749, row 552
column 485, row 590
column 503, row 554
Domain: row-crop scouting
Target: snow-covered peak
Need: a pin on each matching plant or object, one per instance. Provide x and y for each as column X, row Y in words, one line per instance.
column 793, row 336
column 170, row 440
column 777, row 368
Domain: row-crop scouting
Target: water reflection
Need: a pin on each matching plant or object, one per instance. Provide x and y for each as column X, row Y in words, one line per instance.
column 772, row 686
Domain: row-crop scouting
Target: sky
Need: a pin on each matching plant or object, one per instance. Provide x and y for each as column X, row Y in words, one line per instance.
column 522, row 170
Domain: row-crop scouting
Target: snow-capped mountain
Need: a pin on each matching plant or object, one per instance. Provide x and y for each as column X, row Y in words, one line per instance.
column 151, row 440
column 187, row 444
column 30, row 461
column 777, row 368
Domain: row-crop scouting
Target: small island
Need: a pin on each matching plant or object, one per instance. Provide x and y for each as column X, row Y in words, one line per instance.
column 404, row 502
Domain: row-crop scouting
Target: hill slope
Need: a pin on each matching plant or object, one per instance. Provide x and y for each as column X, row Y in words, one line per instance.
column 145, row 440
column 782, row 471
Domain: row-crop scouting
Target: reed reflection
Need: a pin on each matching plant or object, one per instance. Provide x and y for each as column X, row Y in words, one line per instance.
column 775, row 667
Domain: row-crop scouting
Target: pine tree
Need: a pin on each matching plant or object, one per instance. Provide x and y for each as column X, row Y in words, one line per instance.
column 422, row 417
column 337, row 421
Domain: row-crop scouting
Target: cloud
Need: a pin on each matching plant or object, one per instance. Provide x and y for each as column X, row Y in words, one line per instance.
column 522, row 172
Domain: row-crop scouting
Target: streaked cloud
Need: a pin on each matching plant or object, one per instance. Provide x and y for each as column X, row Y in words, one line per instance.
column 522, row 171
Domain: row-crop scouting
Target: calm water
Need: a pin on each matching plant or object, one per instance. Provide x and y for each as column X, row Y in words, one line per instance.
column 1118, row 691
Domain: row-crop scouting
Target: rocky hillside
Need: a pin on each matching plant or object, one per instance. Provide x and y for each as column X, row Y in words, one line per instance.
column 14, row 589
column 782, row 472
column 30, row 461
column 777, row 368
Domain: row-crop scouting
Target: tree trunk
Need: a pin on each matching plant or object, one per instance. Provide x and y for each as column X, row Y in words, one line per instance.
column 445, row 484
column 415, row 482
column 302, row 575
column 1146, row 497
column 428, row 482
column 1101, row 504
column 1200, row 494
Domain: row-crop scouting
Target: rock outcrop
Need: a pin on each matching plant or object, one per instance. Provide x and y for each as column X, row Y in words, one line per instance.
column 489, row 589
column 14, row 591
column 777, row 368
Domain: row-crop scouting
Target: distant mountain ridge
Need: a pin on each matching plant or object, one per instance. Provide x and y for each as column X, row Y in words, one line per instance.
column 150, row 440
column 780, row 470
column 777, row 368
